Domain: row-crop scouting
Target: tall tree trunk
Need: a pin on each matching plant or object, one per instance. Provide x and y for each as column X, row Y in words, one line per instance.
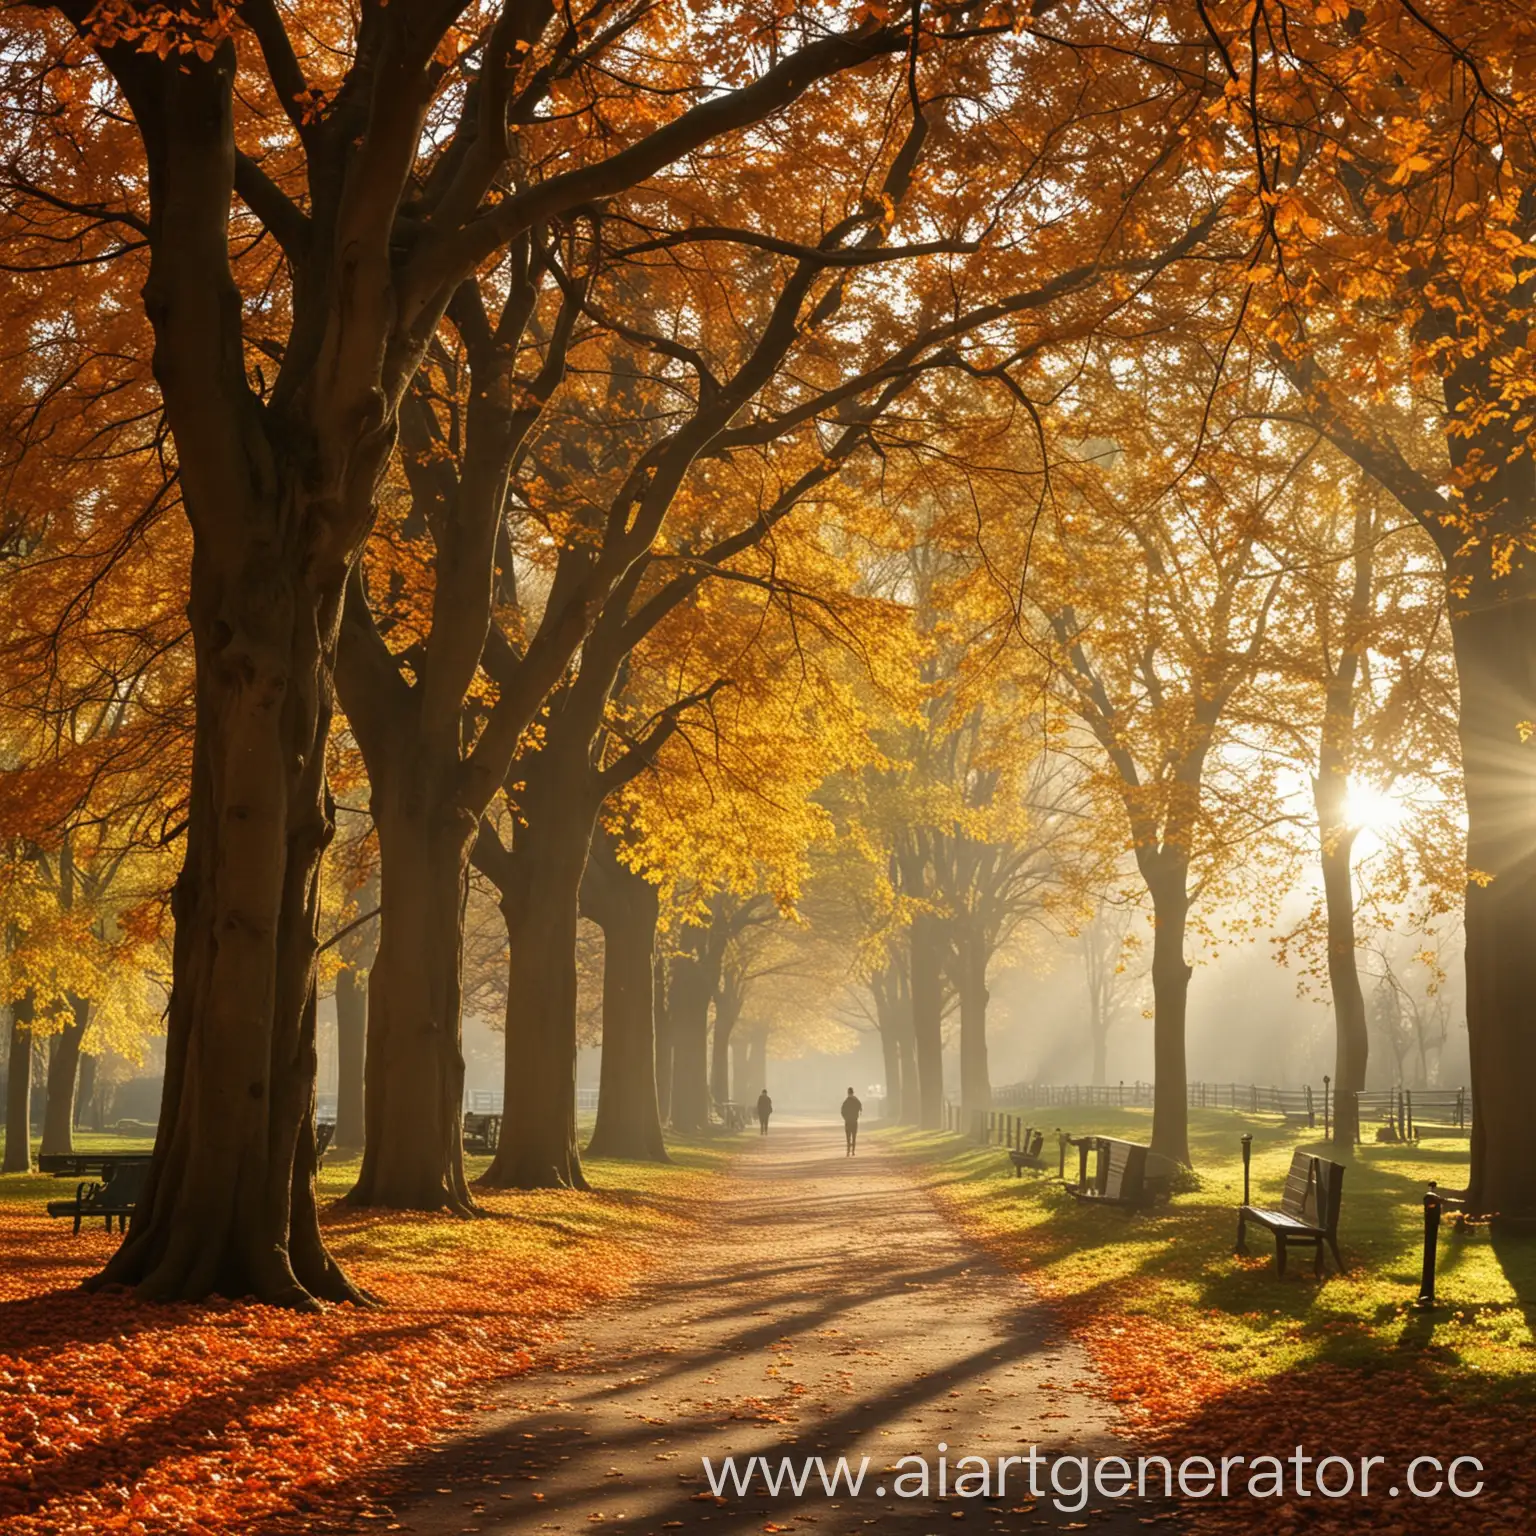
column 689, row 990
column 625, row 905
column 1170, row 1004
column 87, row 1101
column 63, row 1073
column 229, row 1205
column 1495, row 644
column 1100, row 1032
column 755, row 1078
column 741, row 1058
column 926, row 940
column 1351, row 1035
column 728, row 1003
column 662, row 1009
column 971, row 981
column 358, row 949
column 540, row 903
column 911, row 1109
column 890, row 1050
column 351, row 1042
column 1336, row 838
column 18, row 1091
column 413, row 1156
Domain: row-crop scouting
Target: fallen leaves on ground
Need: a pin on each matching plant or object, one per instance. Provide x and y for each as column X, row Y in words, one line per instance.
column 123, row 1416
column 1179, row 1401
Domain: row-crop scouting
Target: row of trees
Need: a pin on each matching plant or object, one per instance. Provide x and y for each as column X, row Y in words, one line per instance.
column 1004, row 440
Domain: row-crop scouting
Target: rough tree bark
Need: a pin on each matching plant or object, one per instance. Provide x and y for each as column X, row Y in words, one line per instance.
column 413, row 1155
column 279, row 493
column 625, row 906
column 18, row 1090
column 539, row 900
column 63, row 1074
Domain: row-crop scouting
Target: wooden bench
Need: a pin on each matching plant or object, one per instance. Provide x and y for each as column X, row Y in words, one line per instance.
column 1126, row 1174
column 82, row 1165
column 119, row 1192
column 1027, row 1153
column 732, row 1115
column 325, row 1134
column 482, row 1133
column 1308, row 1213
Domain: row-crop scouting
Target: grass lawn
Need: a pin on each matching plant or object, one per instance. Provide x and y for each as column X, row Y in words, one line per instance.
column 122, row 1416
column 1210, row 1353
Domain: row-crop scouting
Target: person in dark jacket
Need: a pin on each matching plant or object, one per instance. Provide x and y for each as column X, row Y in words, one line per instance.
column 851, row 1111
column 764, row 1109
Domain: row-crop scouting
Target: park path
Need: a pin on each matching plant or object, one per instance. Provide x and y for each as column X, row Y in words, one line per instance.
column 828, row 1308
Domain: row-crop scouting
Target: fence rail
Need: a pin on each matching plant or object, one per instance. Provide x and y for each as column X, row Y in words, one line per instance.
column 1405, row 1113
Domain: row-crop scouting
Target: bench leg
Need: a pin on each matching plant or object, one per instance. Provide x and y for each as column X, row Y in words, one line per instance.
column 77, row 1223
column 1338, row 1258
column 1317, row 1262
column 1279, row 1255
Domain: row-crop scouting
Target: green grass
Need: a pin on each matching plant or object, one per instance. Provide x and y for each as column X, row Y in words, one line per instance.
column 1176, row 1264
column 630, row 1203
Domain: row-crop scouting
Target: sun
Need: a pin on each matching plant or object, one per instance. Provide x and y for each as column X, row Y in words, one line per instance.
column 1371, row 809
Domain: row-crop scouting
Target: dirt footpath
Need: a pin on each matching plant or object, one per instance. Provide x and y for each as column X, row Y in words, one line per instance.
column 830, row 1311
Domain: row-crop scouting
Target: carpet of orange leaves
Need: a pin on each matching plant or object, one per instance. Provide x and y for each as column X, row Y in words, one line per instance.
column 118, row 1416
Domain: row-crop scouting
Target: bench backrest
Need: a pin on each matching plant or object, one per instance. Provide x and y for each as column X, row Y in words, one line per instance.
column 1313, row 1188
column 126, row 1184
column 1122, row 1168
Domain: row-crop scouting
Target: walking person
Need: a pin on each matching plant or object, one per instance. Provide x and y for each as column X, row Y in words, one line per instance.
column 764, row 1109
column 851, row 1111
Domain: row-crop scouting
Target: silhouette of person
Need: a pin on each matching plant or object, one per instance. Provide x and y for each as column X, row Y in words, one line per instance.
column 764, row 1109
column 851, row 1111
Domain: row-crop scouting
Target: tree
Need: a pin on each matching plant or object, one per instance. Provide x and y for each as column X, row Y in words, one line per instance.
column 625, row 905
column 1158, row 614
column 1392, row 268
column 1108, row 949
column 369, row 226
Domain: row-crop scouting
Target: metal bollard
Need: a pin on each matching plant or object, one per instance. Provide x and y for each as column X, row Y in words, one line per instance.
column 1247, row 1155
column 1432, row 1205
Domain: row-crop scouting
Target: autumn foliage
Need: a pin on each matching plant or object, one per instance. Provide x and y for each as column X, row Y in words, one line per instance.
column 123, row 1416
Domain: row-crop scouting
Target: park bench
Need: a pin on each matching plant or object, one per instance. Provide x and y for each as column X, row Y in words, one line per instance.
column 1027, row 1153
column 120, row 1189
column 482, row 1133
column 1126, row 1174
column 325, row 1134
column 1308, row 1213
column 732, row 1115
column 84, row 1165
